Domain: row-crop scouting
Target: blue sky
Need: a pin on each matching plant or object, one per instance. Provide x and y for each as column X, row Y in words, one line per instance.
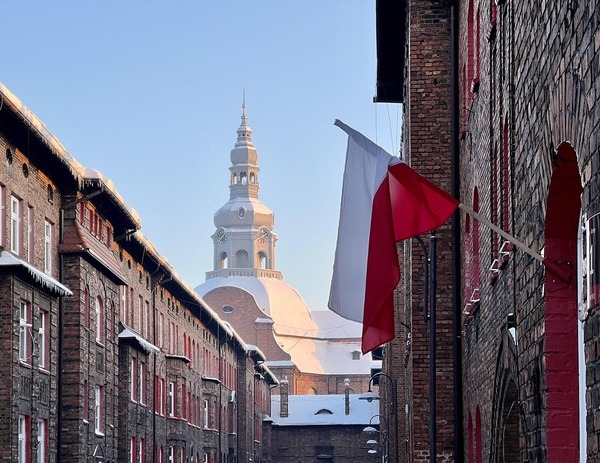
column 150, row 94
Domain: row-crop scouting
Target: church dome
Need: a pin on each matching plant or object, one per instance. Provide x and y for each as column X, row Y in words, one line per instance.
column 278, row 300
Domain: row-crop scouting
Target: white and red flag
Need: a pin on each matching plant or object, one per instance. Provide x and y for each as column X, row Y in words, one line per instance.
column 383, row 201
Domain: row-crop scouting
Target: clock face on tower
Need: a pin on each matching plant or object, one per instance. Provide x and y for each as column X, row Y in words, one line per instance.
column 221, row 236
column 263, row 236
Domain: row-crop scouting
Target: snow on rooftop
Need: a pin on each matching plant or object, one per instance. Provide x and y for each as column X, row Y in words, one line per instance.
column 304, row 410
column 313, row 348
column 8, row 260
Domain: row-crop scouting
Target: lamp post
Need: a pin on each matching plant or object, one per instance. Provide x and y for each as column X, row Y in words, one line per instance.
column 385, row 442
column 370, row 396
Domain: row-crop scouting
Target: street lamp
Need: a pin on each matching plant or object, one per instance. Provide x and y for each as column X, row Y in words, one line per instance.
column 369, row 396
column 385, row 443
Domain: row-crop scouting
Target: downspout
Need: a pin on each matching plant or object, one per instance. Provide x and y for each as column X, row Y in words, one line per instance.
column 60, row 376
column 456, row 281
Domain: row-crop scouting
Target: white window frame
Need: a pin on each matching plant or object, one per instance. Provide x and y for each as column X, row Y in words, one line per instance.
column 42, row 434
column 23, row 444
column 161, row 403
column 132, row 450
column 99, row 410
column 171, row 454
column 171, row 398
column 30, row 219
column 141, row 382
column 140, row 450
column 25, row 332
column 15, row 225
column 99, row 307
column 161, row 334
column 47, row 246
column 206, row 413
column 146, row 318
column 134, row 379
column 43, row 337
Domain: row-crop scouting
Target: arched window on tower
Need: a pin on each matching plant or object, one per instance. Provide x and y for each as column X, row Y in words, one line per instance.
column 223, row 260
column 252, row 177
column 262, row 260
column 233, row 179
column 243, row 178
column 241, row 259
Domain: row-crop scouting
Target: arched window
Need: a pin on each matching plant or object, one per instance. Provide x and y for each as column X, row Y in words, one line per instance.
column 262, row 260
column 243, row 178
column 86, row 307
column 223, row 260
column 311, row 391
column 99, row 320
column 252, row 177
column 241, row 259
column 475, row 241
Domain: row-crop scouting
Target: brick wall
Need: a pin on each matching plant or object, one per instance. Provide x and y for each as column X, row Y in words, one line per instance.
column 427, row 149
column 538, row 87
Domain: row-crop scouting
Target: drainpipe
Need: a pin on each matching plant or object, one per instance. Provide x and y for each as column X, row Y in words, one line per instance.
column 456, row 281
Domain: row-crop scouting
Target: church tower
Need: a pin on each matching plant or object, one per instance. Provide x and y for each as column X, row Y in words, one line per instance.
column 244, row 241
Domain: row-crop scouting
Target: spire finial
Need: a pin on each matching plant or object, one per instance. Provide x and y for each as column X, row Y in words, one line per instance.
column 244, row 103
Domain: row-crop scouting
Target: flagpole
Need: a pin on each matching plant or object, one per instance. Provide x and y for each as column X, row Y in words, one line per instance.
column 501, row 232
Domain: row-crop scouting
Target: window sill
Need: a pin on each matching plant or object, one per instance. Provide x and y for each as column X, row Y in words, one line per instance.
column 24, row 363
column 44, row 370
column 98, row 433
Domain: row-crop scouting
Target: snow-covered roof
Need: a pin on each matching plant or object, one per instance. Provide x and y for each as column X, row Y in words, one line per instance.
column 313, row 410
column 331, row 325
column 313, row 348
column 46, row 281
column 327, row 357
column 129, row 333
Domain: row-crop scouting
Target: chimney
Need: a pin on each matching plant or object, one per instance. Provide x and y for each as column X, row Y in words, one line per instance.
column 284, row 391
column 347, row 394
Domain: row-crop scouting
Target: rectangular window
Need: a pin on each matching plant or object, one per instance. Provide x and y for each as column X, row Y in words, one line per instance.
column 47, row 247
column 161, row 336
column 42, row 441
column 171, row 398
column 141, row 315
column 206, row 414
column 183, row 404
column 30, row 227
column 99, row 320
column 85, row 401
column 141, row 453
column 163, row 397
column 134, row 379
column 146, row 318
column 44, row 339
column 2, row 223
column 25, row 340
column 171, row 454
column 15, row 225
column 132, row 451
column 99, row 410
column 172, row 338
column 24, row 434
column 142, row 382
column 131, row 316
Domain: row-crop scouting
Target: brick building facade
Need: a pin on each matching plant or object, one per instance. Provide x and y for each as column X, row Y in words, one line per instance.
column 109, row 355
column 501, row 105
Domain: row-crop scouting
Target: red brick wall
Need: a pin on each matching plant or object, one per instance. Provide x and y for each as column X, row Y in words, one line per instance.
column 427, row 149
